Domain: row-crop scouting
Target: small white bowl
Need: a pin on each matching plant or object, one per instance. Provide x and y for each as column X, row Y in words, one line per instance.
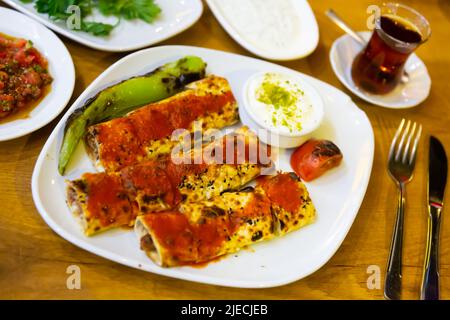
column 277, row 136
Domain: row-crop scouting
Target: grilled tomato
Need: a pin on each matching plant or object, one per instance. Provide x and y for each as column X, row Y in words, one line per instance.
column 314, row 158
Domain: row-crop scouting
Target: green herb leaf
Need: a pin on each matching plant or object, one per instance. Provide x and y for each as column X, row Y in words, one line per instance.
column 97, row 28
column 56, row 9
column 146, row 10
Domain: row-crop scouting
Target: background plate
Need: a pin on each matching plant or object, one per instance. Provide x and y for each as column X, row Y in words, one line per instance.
column 176, row 16
column 337, row 195
column 307, row 39
column 60, row 66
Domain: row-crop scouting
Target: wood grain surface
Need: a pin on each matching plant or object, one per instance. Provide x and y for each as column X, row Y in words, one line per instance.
column 33, row 259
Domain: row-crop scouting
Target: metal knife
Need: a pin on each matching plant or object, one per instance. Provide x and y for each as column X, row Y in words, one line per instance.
column 437, row 179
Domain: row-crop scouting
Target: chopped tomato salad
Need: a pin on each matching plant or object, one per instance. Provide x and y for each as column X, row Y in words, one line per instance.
column 23, row 74
column 313, row 158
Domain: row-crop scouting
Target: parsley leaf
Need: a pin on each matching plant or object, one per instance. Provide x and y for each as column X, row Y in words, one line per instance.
column 97, row 28
column 55, row 9
column 146, row 10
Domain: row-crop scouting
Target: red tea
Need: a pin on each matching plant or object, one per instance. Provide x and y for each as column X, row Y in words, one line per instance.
column 379, row 67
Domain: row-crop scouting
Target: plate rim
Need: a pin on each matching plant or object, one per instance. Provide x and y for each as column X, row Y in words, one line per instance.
column 249, row 47
column 27, row 129
column 360, row 94
column 92, row 44
column 175, row 274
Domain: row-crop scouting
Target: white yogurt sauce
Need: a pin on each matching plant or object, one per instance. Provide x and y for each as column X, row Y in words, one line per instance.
column 282, row 103
column 270, row 25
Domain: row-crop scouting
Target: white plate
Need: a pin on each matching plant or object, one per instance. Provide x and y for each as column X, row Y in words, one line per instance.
column 307, row 39
column 176, row 16
column 410, row 94
column 336, row 195
column 60, row 67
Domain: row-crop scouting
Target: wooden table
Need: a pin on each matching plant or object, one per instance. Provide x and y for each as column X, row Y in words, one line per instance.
column 33, row 259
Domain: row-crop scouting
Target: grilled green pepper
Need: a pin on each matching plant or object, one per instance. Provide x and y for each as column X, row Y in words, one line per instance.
column 119, row 99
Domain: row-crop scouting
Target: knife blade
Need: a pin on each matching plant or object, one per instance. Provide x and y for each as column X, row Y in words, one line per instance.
column 437, row 180
column 437, row 173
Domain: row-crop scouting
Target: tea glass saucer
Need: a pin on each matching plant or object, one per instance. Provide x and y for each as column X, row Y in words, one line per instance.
column 405, row 95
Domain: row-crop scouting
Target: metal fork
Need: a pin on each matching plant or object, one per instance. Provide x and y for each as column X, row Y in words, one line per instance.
column 401, row 162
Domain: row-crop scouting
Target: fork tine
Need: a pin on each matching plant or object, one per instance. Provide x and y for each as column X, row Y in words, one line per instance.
column 408, row 143
column 402, row 141
column 394, row 141
column 412, row 158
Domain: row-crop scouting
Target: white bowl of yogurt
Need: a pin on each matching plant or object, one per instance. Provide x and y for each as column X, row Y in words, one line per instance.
column 283, row 109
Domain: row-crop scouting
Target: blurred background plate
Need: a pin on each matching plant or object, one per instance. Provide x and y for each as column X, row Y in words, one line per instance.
column 264, row 27
column 176, row 16
column 60, row 67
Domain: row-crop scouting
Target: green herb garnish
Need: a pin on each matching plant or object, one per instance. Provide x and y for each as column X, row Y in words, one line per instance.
column 274, row 94
column 283, row 98
column 146, row 10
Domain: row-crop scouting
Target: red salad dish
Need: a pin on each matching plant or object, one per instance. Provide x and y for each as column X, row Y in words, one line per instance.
column 24, row 76
column 314, row 158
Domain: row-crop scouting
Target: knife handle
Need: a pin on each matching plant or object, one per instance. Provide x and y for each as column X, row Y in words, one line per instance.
column 430, row 280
